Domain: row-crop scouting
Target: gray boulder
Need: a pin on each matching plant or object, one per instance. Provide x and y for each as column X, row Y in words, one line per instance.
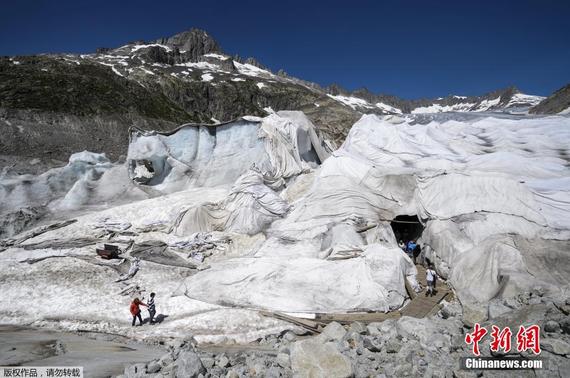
column 371, row 344
column 551, row 326
column 565, row 325
column 332, row 332
column 189, row 364
column 556, row 346
column 283, row 360
column 153, row 367
column 135, row 371
column 357, row 327
column 312, row 358
column 393, row 346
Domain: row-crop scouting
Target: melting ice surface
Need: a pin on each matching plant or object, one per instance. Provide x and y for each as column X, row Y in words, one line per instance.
column 494, row 194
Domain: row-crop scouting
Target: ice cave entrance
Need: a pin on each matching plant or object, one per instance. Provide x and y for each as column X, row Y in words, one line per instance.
column 407, row 227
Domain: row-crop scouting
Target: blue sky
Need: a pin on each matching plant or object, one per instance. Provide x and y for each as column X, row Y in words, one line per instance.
column 408, row 48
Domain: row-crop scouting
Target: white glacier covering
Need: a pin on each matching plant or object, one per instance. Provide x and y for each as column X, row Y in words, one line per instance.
column 88, row 178
column 478, row 186
column 283, row 144
column 493, row 194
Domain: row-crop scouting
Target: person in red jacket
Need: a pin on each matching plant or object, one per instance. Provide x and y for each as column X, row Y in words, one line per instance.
column 136, row 311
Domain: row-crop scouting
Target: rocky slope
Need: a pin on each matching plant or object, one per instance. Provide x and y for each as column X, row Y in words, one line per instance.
column 557, row 103
column 405, row 347
column 56, row 104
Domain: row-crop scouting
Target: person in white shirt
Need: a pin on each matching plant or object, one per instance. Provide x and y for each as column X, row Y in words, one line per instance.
column 431, row 276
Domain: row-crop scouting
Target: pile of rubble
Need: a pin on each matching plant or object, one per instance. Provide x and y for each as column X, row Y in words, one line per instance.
column 427, row 347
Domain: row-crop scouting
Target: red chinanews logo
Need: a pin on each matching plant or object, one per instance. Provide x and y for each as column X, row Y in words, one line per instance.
column 528, row 338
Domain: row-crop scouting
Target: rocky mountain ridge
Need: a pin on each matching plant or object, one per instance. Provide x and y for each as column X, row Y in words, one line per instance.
column 56, row 104
column 557, row 103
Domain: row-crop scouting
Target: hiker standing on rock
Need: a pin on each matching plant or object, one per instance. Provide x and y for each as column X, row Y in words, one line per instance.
column 431, row 276
column 151, row 308
column 136, row 310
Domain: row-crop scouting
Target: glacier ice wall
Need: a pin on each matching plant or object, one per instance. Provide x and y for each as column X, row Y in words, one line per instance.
column 282, row 144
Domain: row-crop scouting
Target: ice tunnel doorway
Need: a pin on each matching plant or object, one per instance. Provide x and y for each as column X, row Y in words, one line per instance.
column 406, row 228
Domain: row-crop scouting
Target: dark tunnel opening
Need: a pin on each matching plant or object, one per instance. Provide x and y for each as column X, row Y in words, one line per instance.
column 406, row 228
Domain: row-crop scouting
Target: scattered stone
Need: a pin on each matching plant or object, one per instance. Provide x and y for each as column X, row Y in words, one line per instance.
column 551, row 326
column 332, row 332
column 565, row 325
column 393, row 346
column 472, row 315
column 166, row 359
column 272, row 372
column 414, row 328
column 153, row 367
column 351, row 339
column 232, row 374
column 289, row 336
column 188, row 364
column 373, row 329
column 556, row 346
column 223, row 361
column 258, row 370
column 283, row 360
column 534, row 300
column 457, row 342
column 511, row 303
column 208, row 362
column 497, row 309
column 312, row 358
column 370, row 344
column 357, row 327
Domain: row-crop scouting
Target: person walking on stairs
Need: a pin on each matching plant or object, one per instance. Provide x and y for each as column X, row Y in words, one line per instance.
column 431, row 276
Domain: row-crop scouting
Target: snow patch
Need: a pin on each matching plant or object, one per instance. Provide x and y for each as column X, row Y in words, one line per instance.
column 437, row 108
column 487, row 104
column 112, row 67
column 388, row 108
column 217, row 56
column 200, row 65
column 207, row 77
column 565, row 111
column 353, row 102
column 251, row 70
column 519, row 99
column 138, row 47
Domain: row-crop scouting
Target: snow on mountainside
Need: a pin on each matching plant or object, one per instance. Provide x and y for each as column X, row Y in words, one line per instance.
column 511, row 100
column 184, row 78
